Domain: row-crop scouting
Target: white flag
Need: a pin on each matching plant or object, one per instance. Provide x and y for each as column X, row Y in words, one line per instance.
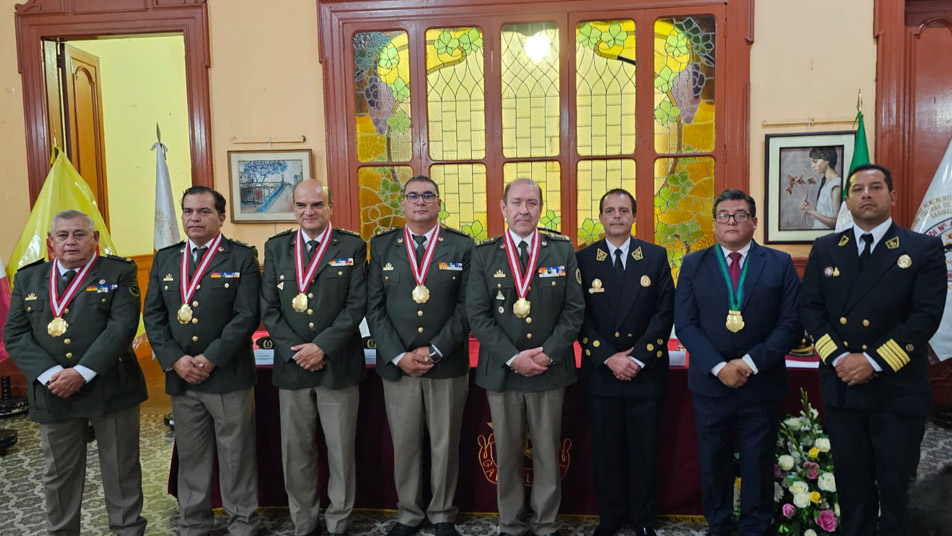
column 165, row 232
column 934, row 218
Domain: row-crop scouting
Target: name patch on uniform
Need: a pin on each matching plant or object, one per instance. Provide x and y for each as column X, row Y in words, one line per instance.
column 342, row 262
column 552, row 271
column 453, row 266
column 101, row 289
column 225, row 275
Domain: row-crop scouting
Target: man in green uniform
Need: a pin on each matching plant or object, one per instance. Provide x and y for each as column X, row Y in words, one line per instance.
column 525, row 305
column 200, row 311
column 313, row 298
column 70, row 330
column 416, row 310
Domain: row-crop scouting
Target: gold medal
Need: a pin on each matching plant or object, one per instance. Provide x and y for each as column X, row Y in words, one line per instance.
column 57, row 327
column 521, row 308
column 184, row 314
column 735, row 321
column 299, row 303
column 420, row 294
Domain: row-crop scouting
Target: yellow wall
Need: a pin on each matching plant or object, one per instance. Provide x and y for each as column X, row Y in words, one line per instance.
column 808, row 60
column 143, row 83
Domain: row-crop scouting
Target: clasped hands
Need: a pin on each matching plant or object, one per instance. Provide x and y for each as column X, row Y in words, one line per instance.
column 735, row 373
column 65, row 383
column 854, row 369
column 193, row 369
column 622, row 365
column 531, row 362
column 416, row 362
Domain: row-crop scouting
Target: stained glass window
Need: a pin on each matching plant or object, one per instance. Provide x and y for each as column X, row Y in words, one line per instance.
column 455, row 95
column 463, row 191
column 380, row 189
column 382, row 96
column 605, row 87
column 548, row 175
column 530, row 89
column 684, row 200
column 684, row 84
column 593, row 179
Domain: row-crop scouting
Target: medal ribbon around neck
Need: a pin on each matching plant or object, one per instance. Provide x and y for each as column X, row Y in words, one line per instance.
column 187, row 285
column 734, row 298
column 59, row 305
column 303, row 279
column 420, row 271
column 522, row 280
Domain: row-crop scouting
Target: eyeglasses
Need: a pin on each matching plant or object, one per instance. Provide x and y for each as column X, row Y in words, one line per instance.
column 427, row 197
column 725, row 217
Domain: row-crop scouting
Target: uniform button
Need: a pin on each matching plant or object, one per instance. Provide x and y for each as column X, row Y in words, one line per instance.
column 66, row 311
column 588, row 352
column 553, row 283
column 194, row 320
column 498, row 285
column 650, row 347
column 419, row 329
column 617, row 334
column 629, row 335
column 69, row 355
column 310, row 325
column 454, row 278
column 166, row 287
column 226, row 285
column 528, row 335
column 863, row 347
column 528, row 320
column 340, row 272
column 386, row 277
column 28, row 308
column 199, row 286
column 310, row 294
column 66, row 341
column 865, row 323
column 104, row 300
column 419, row 313
column 846, row 344
column 660, row 353
column 660, row 341
column 585, row 340
column 281, row 277
column 310, row 311
column 910, row 347
column 843, row 320
column 596, row 343
column 194, row 304
column 194, row 338
column 501, row 310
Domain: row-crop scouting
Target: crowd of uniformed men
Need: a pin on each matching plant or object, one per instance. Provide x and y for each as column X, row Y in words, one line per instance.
column 871, row 298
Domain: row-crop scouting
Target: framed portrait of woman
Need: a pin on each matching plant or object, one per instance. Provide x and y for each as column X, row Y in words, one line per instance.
column 804, row 176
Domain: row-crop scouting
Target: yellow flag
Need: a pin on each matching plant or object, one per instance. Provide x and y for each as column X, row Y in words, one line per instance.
column 64, row 189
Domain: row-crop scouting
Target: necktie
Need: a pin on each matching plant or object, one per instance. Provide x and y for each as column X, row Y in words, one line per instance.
column 197, row 255
column 420, row 249
column 619, row 267
column 734, row 269
column 65, row 281
column 868, row 248
column 311, row 248
column 523, row 254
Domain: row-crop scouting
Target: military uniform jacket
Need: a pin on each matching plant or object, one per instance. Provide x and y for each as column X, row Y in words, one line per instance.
column 102, row 318
column 557, row 309
column 637, row 312
column 889, row 310
column 225, row 308
column 398, row 324
column 337, row 300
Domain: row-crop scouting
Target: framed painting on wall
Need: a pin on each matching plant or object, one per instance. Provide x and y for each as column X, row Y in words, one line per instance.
column 804, row 176
column 263, row 182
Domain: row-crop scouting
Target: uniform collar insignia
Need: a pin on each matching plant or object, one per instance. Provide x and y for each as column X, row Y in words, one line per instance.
column 893, row 243
column 600, row 255
column 844, row 240
column 637, row 254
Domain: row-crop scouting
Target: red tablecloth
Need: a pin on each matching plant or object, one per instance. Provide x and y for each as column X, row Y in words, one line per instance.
column 679, row 483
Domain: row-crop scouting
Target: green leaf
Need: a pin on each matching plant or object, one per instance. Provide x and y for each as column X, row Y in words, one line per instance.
column 389, row 57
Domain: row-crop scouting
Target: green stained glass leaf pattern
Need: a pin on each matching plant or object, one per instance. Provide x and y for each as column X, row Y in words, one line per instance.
column 379, row 195
column 475, row 230
column 471, row 41
column 382, row 96
column 446, row 43
column 550, row 220
column 590, row 231
column 684, row 199
column 587, row 35
column 389, row 57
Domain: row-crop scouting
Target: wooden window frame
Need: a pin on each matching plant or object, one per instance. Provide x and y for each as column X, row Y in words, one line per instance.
column 338, row 20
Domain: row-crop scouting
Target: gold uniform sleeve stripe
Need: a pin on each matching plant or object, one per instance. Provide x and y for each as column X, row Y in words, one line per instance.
column 890, row 357
column 825, row 346
column 894, row 346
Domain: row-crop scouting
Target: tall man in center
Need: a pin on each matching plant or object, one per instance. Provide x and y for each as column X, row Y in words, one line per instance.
column 629, row 310
column 313, row 297
column 736, row 313
column 525, row 305
column 416, row 309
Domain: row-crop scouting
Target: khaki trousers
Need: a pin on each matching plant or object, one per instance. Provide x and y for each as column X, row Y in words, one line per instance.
column 299, row 410
column 512, row 412
column 415, row 406
column 64, row 475
column 204, row 422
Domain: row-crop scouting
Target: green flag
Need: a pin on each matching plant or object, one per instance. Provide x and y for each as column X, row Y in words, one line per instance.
column 860, row 149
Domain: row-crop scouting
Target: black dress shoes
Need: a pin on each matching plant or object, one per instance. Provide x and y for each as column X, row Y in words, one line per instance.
column 606, row 530
column 646, row 531
column 445, row 529
column 399, row 529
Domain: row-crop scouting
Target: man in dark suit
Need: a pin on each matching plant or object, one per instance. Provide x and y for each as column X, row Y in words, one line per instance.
column 200, row 311
column 313, row 298
column 422, row 339
column 736, row 313
column 872, row 297
column 525, row 305
column 72, row 339
column 629, row 310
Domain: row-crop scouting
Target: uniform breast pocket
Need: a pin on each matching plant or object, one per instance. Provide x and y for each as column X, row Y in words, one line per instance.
column 339, row 272
column 552, row 283
column 390, row 277
column 224, row 284
column 450, row 277
column 35, row 306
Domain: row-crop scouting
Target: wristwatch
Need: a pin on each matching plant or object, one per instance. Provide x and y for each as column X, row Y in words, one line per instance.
column 435, row 356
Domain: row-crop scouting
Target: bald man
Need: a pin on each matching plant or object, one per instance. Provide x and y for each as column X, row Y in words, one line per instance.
column 313, row 298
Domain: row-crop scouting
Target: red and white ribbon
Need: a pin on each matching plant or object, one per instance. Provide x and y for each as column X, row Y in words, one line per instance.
column 187, row 285
column 420, row 271
column 304, row 278
column 522, row 280
column 57, row 304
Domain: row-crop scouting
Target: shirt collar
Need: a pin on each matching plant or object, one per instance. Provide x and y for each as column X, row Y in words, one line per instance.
column 878, row 232
column 516, row 239
column 428, row 234
column 192, row 246
column 743, row 251
column 62, row 269
column 624, row 248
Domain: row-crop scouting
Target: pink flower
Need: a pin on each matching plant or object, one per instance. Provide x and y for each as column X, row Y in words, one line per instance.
column 788, row 510
column 813, row 470
column 826, row 520
column 776, row 471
